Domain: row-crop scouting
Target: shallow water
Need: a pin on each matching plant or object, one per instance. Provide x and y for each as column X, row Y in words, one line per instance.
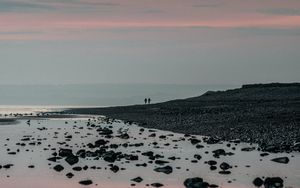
column 98, row 94
column 44, row 176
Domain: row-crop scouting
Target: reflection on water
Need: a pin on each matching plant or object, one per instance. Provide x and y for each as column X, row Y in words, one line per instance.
column 75, row 134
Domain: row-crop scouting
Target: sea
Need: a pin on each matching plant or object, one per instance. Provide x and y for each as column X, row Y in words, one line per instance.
column 24, row 98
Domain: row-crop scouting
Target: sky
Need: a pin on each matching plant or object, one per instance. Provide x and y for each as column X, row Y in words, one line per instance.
column 149, row 41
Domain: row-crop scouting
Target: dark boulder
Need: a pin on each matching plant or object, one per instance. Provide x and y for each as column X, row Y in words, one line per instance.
column 166, row 169
column 72, row 159
column 54, row 159
column 137, row 179
column 69, row 175
column 161, row 162
column 65, row 152
column 124, row 136
column 86, row 182
column 225, row 166
column 284, row 160
column 100, row 142
column 58, row 168
column 218, row 152
column 195, row 183
column 195, row 141
column 197, row 156
column 211, row 162
column 258, row 182
column 274, row 182
column 157, row 185
column 110, row 156
column 115, row 168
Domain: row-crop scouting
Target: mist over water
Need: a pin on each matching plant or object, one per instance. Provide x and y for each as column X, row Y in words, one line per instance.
column 98, row 94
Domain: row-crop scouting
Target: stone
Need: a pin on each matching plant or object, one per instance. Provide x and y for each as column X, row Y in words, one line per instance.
column 258, row 182
column 284, row 160
column 72, row 159
column 115, row 168
column 137, row 179
column 273, row 182
column 65, row 152
column 58, row 168
column 166, row 169
column 157, row 185
column 225, row 166
column 195, row 183
column 69, row 175
column 86, row 182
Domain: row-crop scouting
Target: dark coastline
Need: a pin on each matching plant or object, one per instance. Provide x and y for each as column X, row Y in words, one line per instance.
column 267, row 114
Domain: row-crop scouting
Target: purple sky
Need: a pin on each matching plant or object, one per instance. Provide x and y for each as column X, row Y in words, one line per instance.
column 149, row 41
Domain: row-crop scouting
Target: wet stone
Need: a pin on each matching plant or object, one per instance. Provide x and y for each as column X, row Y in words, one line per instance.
column 69, row 175
column 58, row 168
column 195, row 183
column 258, row 182
column 137, row 179
column 225, row 166
column 273, row 182
column 115, row 168
column 166, row 169
column 284, row 160
column 86, row 182
column 71, row 160
column 157, row 185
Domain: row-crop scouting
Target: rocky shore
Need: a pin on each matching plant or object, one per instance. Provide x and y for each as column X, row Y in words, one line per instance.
column 267, row 114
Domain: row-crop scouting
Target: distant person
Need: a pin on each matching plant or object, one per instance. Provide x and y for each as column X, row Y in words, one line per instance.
column 145, row 100
column 149, row 100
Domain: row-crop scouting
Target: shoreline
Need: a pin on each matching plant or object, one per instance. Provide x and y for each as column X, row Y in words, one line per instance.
column 266, row 114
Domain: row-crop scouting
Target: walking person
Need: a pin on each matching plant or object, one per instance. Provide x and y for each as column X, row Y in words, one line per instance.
column 149, row 100
column 145, row 100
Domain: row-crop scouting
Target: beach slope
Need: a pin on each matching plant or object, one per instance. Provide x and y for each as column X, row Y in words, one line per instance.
column 267, row 114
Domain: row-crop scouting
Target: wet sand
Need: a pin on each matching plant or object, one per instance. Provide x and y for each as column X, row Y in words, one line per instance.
column 111, row 153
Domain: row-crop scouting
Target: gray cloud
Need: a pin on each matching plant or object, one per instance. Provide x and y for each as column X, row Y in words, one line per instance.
column 12, row 5
column 206, row 5
column 43, row 5
column 281, row 11
column 152, row 11
column 269, row 31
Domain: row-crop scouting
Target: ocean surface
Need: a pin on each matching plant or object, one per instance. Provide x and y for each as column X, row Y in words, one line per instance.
column 21, row 97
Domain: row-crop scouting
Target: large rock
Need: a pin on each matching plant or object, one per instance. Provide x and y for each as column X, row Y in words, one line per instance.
column 258, row 182
column 110, row 156
column 225, row 166
column 195, row 183
column 72, row 159
column 157, row 185
column 100, row 142
column 65, row 152
column 58, row 168
column 284, row 160
column 137, row 179
column 274, row 182
column 85, row 182
column 166, row 169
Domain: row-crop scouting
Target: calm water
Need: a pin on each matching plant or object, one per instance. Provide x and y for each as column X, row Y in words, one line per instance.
column 98, row 94
column 52, row 132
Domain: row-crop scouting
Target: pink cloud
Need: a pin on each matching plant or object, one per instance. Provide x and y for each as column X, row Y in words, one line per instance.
column 51, row 25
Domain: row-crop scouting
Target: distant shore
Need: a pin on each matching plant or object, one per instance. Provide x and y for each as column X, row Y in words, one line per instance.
column 267, row 114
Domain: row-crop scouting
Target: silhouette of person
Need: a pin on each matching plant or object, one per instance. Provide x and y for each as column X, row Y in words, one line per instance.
column 149, row 100
column 145, row 100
